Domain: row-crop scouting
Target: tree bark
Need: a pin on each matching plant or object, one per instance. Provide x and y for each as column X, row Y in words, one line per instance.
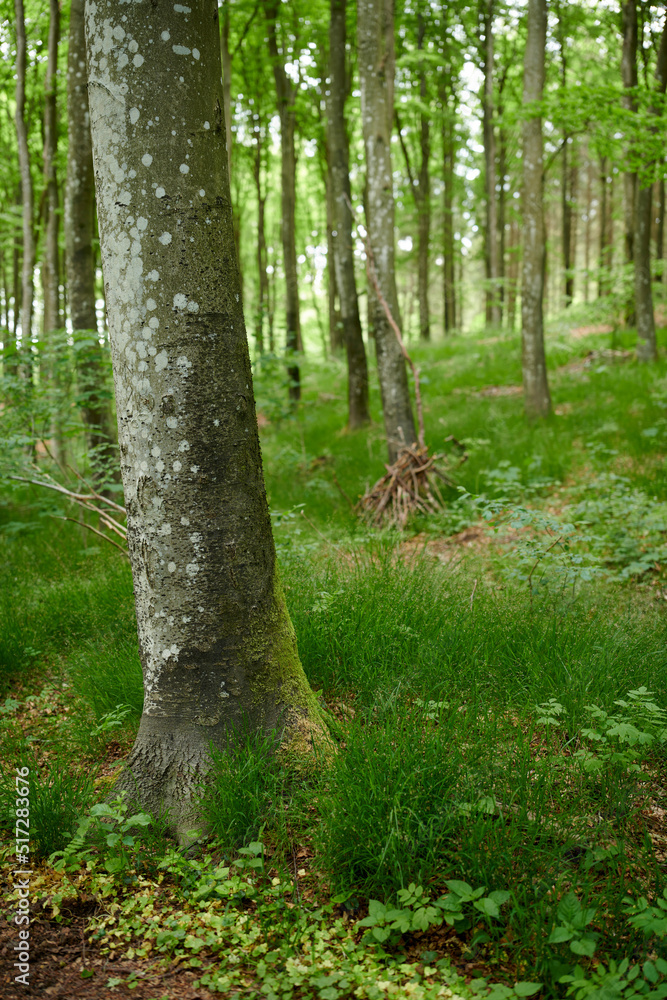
column 630, row 82
column 94, row 392
column 375, row 30
column 604, row 286
column 424, row 199
column 449, row 277
column 263, row 280
column 286, row 96
column 341, row 223
column 537, row 399
column 50, row 262
column 217, row 647
column 27, row 199
column 227, row 83
column 493, row 303
column 336, row 332
column 647, row 348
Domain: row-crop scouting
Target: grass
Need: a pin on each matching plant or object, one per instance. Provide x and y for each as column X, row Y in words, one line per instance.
column 458, row 681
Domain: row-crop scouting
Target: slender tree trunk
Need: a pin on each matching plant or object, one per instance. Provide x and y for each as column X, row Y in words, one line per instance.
column 50, row 270
column 286, row 94
column 375, row 29
column 50, row 261
column 660, row 223
column 227, row 83
column 513, row 274
column 537, row 399
column 587, row 239
column 493, row 306
column 217, row 647
column 630, row 82
column 424, row 200
column 341, row 223
column 502, row 211
column 449, row 280
column 603, row 279
column 27, row 198
column 336, row 330
column 94, row 392
column 262, row 277
column 647, row 348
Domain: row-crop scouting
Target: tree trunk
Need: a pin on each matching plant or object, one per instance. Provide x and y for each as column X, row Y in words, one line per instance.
column 217, row 647
column 424, row 199
column 227, row 82
column 51, row 373
column 262, row 277
column 375, row 29
column 587, row 237
column 286, row 95
column 660, row 224
column 493, row 305
column 94, row 392
column 341, row 223
column 513, row 274
column 336, row 332
column 603, row 279
column 50, row 262
column 449, row 280
column 537, row 399
column 27, row 198
column 647, row 348
column 630, row 82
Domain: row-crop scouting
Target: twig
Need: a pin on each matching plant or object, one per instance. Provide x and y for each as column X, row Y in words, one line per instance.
column 341, row 490
column 83, row 524
column 472, row 596
column 535, row 564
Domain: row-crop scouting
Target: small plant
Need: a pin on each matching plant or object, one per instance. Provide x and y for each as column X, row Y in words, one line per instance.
column 109, row 831
column 572, row 927
column 112, row 720
column 387, row 923
column 651, row 920
column 618, row 981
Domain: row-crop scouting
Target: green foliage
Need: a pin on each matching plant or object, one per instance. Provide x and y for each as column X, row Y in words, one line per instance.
column 59, row 794
column 387, row 923
column 105, row 830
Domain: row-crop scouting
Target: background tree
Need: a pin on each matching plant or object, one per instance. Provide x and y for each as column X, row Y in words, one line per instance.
column 537, row 399
column 341, row 221
column 375, row 39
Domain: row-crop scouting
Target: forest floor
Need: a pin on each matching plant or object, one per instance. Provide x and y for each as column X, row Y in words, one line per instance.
column 494, row 822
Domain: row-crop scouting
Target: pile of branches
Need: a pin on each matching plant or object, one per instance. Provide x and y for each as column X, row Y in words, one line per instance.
column 406, row 488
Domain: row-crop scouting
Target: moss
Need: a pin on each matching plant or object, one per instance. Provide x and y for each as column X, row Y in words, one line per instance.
column 282, row 681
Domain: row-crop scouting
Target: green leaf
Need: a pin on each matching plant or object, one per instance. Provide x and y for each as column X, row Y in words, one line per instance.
column 87, row 973
column 584, row 946
column 487, row 907
column 559, row 935
column 526, row 989
column 650, row 972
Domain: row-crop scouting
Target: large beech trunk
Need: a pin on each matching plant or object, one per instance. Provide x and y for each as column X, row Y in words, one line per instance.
column 537, row 399
column 217, row 647
column 341, row 223
column 79, row 254
column 375, row 31
column 286, row 96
